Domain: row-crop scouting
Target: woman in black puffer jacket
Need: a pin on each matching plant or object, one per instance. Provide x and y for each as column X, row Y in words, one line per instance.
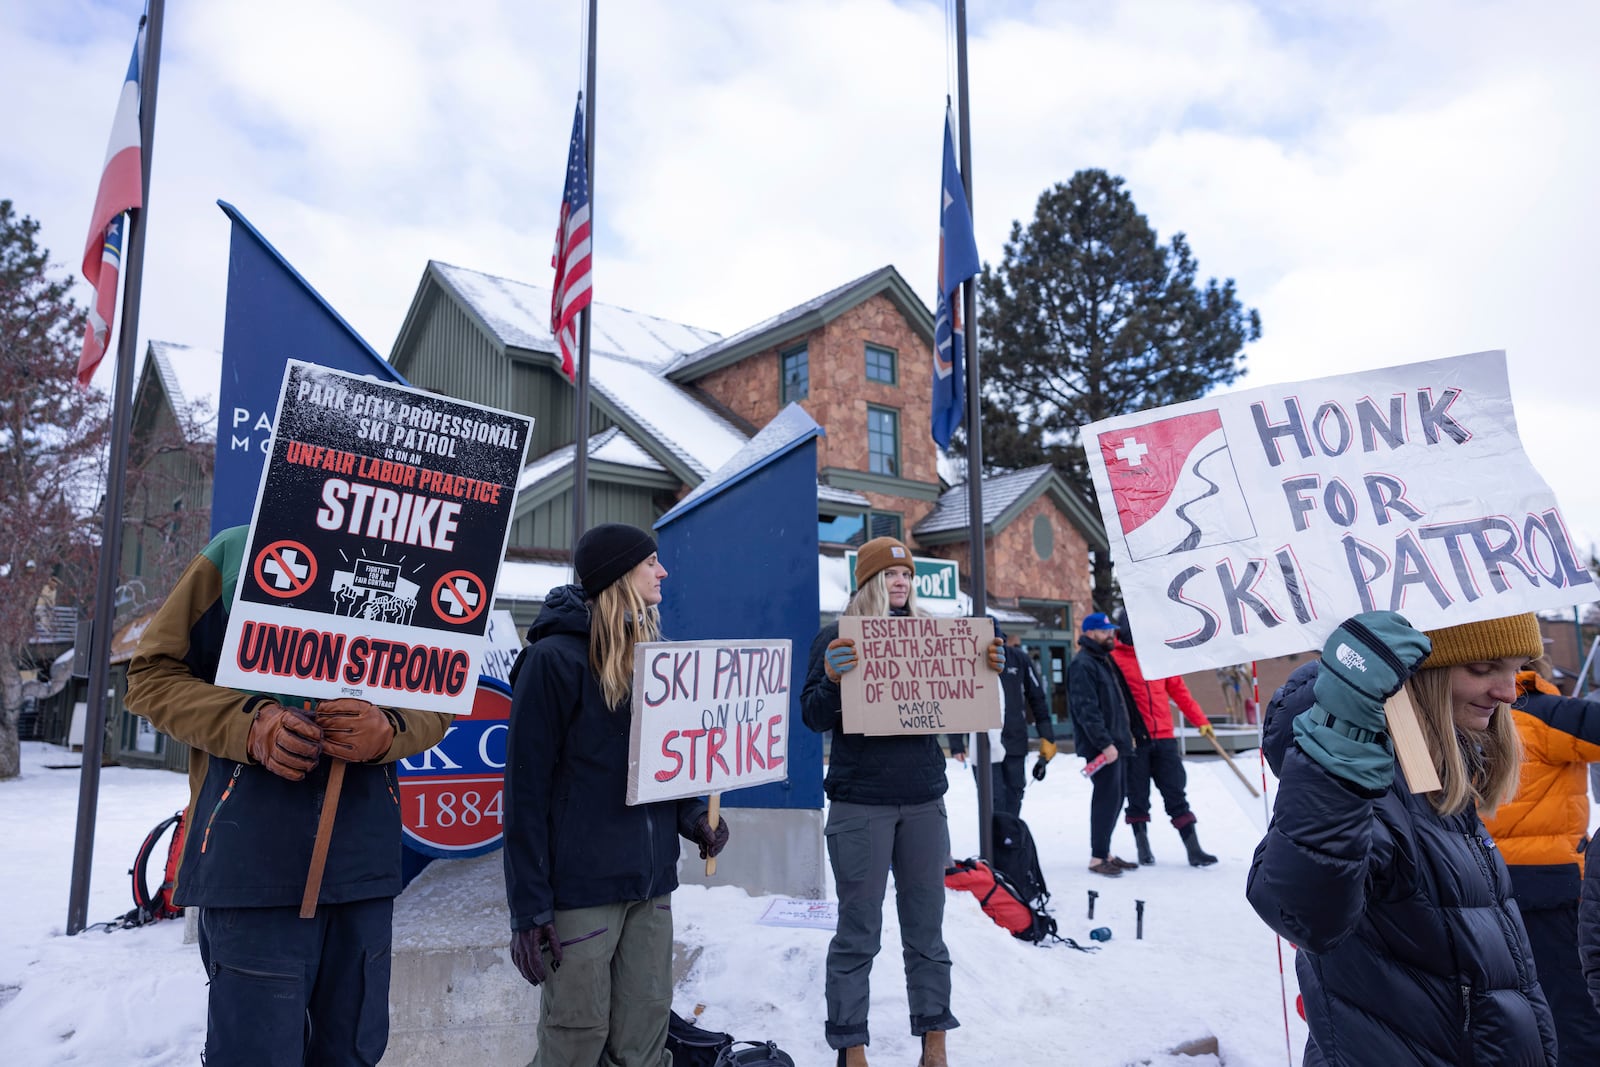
column 1412, row 950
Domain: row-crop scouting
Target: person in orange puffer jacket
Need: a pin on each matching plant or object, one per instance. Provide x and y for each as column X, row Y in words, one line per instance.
column 1161, row 759
column 1542, row 833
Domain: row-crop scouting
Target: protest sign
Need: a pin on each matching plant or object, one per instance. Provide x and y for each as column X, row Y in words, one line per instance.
column 919, row 676
column 1250, row 524
column 707, row 716
column 376, row 541
column 801, row 914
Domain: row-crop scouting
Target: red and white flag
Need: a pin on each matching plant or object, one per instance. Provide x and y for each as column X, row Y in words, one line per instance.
column 572, row 291
column 121, row 190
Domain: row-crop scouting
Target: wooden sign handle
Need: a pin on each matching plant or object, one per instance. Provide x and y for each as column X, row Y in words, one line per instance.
column 1232, row 765
column 1409, row 744
column 714, row 817
column 319, row 851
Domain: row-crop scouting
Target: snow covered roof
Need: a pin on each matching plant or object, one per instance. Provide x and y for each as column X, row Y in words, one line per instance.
column 519, row 315
column 999, row 493
column 526, row 580
column 832, row 494
column 677, row 422
column 608, row 446
column 190, row 376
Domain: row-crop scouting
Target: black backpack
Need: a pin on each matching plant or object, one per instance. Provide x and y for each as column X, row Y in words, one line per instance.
column 754, row 1054
column 1017, row 860
column 693, row 1047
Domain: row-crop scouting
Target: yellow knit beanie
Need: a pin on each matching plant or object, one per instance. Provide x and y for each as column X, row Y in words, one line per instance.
column 1473, row 642
column 879, row 554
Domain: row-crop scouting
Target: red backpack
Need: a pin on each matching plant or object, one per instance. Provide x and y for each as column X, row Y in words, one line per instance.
column 1001, row 901
column 149, row 907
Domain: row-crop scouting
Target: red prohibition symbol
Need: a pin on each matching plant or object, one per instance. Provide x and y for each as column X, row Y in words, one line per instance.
column 285, row 569
column 459, row 597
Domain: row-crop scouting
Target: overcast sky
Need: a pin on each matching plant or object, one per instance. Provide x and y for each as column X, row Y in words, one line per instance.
column 1387, row 182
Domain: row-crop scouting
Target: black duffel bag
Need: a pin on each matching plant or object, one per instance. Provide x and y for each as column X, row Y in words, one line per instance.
column 693, row 1047
column 755, row 1054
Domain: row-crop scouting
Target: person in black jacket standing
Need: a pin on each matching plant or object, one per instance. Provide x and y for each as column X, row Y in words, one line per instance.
column 589, row 879
column 884, row 806
column 1411, row 947
column 1103, row 725
column 1024, row 703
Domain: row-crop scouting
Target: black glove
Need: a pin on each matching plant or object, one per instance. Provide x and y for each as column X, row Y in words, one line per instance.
column 711, row 841
column 1039, row 767
column 528, row 948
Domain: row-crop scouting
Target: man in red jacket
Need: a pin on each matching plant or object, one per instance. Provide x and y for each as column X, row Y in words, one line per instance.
column 1162, row 758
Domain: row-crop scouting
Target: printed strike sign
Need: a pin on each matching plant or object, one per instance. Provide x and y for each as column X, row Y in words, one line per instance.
column 919, row 676
column 1249, row 525
column 377, row 538
column 451, row 802
column 707, row 716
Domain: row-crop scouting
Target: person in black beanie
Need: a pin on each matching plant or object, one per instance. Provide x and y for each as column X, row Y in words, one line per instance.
column 589, row 879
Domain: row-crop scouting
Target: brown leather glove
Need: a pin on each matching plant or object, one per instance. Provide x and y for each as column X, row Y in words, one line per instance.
column 286, row 741
column 354, row 730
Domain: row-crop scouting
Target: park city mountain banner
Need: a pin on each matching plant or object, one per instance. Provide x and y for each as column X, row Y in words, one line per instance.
column 375, row 544
column 1249, row 525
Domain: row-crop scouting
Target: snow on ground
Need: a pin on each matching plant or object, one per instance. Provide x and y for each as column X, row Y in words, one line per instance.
column 1206, row 965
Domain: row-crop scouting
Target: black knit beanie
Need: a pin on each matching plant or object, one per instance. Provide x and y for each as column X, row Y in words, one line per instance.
column 607, row 552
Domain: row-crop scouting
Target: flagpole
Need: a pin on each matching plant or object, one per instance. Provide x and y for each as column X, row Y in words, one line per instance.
column 580, row 469
column 975, row 538
column 94, row 728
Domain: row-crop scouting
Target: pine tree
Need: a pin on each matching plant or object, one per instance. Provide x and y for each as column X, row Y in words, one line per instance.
column 52, row 437
column 1090, row 316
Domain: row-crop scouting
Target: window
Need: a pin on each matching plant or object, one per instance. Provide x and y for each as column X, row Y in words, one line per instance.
column 859, row 529
column 880, row 364
column 883, row 441
column 796, row 375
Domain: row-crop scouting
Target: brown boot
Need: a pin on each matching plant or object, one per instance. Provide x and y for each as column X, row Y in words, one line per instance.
column 933, row 1050
column 854, row 1056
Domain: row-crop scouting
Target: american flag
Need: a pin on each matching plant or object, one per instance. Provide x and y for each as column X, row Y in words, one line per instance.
column 573, row 290
column 121, row 190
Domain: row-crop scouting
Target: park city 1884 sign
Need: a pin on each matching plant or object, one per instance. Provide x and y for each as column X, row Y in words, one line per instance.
column 376, row 541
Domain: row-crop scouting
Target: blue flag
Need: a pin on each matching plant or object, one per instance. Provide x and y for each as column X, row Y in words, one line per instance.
column 958, row 261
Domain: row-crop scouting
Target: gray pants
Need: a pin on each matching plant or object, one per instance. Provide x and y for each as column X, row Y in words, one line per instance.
column 864, row 840
column 608, row 1004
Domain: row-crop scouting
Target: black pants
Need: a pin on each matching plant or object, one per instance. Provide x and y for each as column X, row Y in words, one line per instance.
column 1162, row 761
column 1009, row 782
column 287, row 991
column 1553, row 933
column 1103, row 806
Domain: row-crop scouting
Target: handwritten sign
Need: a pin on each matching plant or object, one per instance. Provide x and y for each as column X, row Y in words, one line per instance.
column 1250, row 524
column 378, row 532
column 801, row 914
column 707, row 716
column 919, row 676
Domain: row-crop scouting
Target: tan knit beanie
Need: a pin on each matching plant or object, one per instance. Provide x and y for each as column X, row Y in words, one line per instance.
column 879, row 554
column 1472, row 642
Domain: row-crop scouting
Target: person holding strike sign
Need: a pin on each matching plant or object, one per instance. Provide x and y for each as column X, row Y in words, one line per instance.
column 884, row 807
column 589, row 879
column 1411, row 947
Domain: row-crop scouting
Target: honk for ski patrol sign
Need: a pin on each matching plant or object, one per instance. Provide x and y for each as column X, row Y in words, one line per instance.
column 376, row 541
column 1250, row 524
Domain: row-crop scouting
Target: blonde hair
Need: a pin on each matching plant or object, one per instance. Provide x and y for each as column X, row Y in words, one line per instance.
column 619, row 619
column 873, row 598
column 1495, row 752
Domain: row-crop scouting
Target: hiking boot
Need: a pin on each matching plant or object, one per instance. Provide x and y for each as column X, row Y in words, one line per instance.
column 932, row 1050
column 1198, row 857
column 1105, row 867
column 854, row 1056
column 1141, row 837
column 1121, row 864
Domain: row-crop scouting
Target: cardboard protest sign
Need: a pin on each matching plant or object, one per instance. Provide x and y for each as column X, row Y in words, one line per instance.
column 919, row 676
column 1250, row 524
column 377, row 538
column 707, row 716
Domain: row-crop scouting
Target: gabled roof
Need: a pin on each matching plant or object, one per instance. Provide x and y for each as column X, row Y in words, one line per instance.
column 189, row 376
column 612, row 447
column 803, row 318
column 518, row 315
column 1004, row 497
column 627, row 352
